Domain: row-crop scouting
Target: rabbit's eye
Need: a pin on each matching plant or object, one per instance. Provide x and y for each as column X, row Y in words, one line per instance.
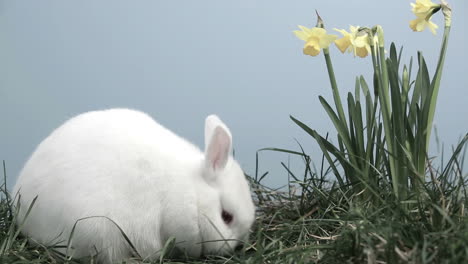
column 227, row 217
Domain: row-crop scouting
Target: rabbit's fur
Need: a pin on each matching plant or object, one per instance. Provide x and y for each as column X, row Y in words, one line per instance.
column 120, row 167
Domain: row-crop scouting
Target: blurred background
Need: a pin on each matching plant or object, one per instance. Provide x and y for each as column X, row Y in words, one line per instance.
column 182, row 60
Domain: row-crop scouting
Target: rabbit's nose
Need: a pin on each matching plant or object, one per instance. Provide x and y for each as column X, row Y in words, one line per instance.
column 239, row 247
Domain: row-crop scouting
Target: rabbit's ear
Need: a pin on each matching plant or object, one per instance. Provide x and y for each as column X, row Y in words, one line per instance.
column 218, row 142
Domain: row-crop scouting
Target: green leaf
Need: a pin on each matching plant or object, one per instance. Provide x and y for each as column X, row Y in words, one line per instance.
column 399, row 56
column 339, row 126
column 359, row 129
column 326, row 148
column 364, row 86
column 283, row 150
column 423, row 77
column 393, row 54
column 357, row 89
column 351, row 109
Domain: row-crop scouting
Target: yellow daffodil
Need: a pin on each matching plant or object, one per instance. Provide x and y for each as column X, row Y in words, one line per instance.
column 315, row 38
column 424, row 9
column 355, row 41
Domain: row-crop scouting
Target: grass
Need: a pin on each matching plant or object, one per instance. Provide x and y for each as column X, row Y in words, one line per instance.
column 388, row 202
column 359, row 217
column 315, row 221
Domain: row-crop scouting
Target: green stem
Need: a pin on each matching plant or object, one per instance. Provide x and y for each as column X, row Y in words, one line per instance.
column 334, row 86
column 436, row 84
column 340, row 122
column 380, row 68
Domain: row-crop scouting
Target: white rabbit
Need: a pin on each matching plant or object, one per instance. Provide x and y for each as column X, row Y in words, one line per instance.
column 120, row 167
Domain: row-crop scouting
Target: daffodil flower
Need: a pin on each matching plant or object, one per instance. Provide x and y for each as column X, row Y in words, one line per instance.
column 424, row 9
column 315, row 38
column 355, row 41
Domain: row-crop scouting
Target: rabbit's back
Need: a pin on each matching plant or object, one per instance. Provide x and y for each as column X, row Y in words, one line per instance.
column 118, row 164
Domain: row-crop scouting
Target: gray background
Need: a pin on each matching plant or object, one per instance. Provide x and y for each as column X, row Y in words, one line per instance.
column 182, row 60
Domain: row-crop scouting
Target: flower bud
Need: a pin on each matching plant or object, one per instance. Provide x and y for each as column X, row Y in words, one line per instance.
column 380, row 36
column 319, row 21
column 405, row 81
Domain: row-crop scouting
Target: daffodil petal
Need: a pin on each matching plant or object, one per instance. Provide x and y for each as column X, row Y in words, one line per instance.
column 432, row 27
column 423, row 7
column 361, row 41
column 413, row 24
column 318, row 31
column 326, row 40
column 301, row 34
column 421, row 25
column 305, row 29
column 342, row 31
column 353, row 29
